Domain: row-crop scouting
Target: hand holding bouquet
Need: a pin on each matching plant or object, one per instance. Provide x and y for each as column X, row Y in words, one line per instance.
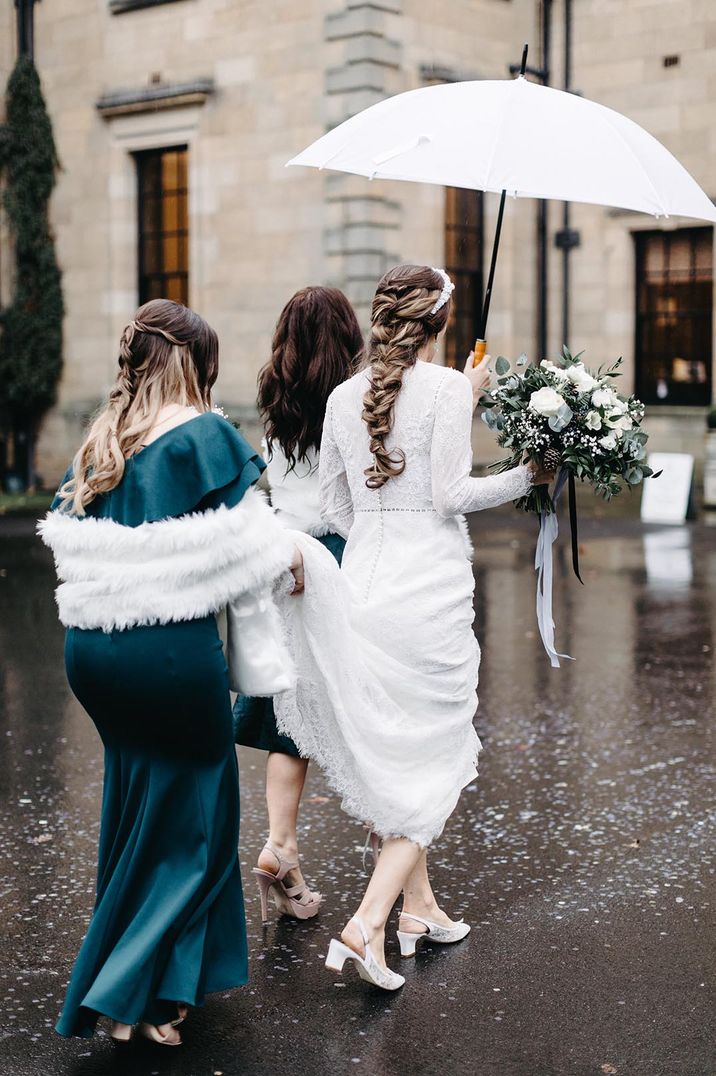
column 566, row 415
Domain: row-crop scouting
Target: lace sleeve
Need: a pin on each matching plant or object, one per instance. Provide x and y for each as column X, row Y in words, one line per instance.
column 454, row 490
column 335, row 494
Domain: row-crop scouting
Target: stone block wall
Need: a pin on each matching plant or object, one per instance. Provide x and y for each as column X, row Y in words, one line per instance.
column 275, row 77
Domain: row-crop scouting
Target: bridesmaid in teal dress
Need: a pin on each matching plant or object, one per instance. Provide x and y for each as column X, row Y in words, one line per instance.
column 316, row 346
column 154, row 530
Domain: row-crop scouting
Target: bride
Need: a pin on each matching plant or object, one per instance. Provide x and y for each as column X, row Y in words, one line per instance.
column 396, row 660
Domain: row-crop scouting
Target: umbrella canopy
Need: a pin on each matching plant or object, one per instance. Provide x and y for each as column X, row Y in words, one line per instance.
column 513, row 135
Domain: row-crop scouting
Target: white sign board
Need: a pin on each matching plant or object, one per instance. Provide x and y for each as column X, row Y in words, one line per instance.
column 666, row 499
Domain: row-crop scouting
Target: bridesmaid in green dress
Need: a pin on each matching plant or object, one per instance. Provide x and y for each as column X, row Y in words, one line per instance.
column 316, row 346
column 156, row 528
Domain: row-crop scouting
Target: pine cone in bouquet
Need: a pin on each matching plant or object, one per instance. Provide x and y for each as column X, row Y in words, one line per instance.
column 552, row 459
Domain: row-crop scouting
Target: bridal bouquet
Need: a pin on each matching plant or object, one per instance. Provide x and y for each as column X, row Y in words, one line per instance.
column 570, row 417
column 573, row 421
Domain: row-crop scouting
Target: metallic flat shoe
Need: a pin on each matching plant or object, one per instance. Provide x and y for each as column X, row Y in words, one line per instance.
column 120, row 1032
column 149, row 1031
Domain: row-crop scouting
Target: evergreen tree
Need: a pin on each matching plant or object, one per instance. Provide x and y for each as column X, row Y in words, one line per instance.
column 31, row 326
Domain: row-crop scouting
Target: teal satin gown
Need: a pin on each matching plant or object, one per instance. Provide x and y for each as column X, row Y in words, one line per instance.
column 168, row 924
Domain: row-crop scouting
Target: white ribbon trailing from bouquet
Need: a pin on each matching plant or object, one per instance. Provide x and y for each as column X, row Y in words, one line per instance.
column 548, row 531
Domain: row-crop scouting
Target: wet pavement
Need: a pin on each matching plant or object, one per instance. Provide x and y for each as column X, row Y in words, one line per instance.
column 583, row 856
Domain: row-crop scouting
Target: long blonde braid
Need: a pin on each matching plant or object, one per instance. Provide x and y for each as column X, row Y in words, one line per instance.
column 402, row 322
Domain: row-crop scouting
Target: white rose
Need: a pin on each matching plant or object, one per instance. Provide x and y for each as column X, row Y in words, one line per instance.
column 618, row 407
column 556, row 371
column 610, row 441
column 603, row 398
column 593, row 421
column 617, row 421
column 581, row 378
column 547, row 402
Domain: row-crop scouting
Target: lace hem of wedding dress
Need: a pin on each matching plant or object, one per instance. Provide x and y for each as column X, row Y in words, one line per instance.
column 398, row 771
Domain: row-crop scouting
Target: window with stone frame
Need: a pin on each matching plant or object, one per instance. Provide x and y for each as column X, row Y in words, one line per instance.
column 163, row 224
column 464, row 242
column 674, row 314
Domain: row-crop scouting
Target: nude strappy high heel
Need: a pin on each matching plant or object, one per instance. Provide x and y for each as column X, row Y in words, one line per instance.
column 436, row 933
column 367, row 966
column 296, row 900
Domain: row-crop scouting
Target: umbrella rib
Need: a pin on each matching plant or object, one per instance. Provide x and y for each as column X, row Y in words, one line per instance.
column 498, row 134
column 648, row 178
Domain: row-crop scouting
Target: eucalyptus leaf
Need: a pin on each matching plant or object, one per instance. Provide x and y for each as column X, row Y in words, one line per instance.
column 502, row 365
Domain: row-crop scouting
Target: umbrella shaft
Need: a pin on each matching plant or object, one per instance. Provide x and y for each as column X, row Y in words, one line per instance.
column 493, row 263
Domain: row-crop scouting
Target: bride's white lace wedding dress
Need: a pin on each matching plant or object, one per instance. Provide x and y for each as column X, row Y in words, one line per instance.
column 385, row 651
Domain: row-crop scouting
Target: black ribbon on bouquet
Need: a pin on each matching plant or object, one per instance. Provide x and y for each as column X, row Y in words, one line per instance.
column 573, row 526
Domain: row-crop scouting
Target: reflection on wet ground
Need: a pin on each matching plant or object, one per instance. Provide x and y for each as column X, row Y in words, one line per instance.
column 582, row 856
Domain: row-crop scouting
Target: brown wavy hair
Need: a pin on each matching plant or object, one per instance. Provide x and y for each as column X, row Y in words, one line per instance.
column 167, row 354
column 401, row 325
column 316, row 346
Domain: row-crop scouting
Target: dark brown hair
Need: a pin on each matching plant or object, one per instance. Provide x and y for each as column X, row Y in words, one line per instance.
column 167, row 354
column 402, row 323
column 316, row 346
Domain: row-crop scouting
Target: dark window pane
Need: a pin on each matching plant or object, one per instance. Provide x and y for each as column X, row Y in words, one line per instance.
column 674, row 316
column 463, row 262
column 152, row 255
column 153, row 289
column 163, row 217
column 151, row 213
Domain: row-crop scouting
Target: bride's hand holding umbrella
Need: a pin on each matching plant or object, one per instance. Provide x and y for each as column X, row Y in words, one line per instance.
column 479, row 376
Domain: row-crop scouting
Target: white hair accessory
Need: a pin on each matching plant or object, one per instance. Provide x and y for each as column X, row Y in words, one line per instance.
column 448, row 289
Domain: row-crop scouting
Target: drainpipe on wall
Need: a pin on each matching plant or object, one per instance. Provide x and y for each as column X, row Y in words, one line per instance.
column 542, row 206
column 567, row 238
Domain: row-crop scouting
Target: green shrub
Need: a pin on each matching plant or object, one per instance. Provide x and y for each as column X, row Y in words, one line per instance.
column 31, row 337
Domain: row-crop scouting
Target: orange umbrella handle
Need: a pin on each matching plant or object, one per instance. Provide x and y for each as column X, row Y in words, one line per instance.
column 479, row 352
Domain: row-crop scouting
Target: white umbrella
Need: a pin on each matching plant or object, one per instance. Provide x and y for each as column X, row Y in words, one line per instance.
column 515, row 137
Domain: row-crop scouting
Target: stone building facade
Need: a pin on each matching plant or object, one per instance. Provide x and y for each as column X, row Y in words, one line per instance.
column 174, row 120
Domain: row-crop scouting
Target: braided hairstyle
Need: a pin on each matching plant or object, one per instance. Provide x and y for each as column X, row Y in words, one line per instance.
column 167, row 354
column 401, row 324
